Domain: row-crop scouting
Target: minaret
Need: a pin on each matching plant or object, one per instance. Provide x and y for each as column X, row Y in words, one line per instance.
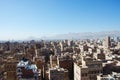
column 107, row 42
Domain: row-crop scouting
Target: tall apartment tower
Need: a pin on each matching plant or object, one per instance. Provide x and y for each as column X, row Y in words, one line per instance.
column 107, row 42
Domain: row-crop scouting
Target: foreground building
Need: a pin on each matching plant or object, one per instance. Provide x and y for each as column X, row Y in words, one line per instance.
column 27, row 71
column 87, row 69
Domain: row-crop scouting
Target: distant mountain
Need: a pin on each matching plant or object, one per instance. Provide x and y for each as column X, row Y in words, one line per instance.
column 74, row 36
column 86, row 35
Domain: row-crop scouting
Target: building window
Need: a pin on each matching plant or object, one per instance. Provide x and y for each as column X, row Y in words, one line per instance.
column 18, row 70
column 35, row 77
column 84, row 74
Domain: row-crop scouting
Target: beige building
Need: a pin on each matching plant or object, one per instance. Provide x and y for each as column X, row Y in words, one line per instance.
column 53, row 61
column 87, row 69
column 106, row 42
column 118, row 45
column 80, row 73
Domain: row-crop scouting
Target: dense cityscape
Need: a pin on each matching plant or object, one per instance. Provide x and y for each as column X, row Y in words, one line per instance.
column 61, row 60
column 59, row 39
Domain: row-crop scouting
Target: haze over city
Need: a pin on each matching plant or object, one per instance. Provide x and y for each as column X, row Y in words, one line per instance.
column 21, row 19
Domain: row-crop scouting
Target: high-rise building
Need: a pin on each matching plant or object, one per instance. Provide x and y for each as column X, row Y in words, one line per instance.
column 107, row 42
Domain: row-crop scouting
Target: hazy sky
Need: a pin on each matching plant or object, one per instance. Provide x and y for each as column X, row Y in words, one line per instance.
column 20, row 19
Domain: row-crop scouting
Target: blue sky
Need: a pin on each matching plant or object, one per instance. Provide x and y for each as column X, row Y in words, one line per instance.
column 20, row 19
